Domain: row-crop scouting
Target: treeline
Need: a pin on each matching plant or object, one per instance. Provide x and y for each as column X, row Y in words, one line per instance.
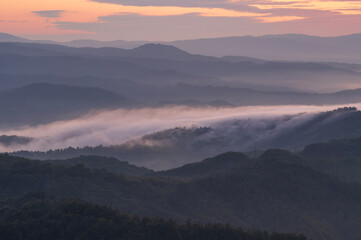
column 74, row 219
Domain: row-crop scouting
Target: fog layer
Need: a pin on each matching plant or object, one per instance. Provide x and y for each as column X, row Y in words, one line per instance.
column 119, row 126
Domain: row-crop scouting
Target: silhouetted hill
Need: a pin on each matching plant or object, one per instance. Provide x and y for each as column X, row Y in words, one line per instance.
column 247, row 96
column 278, row 155
column 42, row 102
column 341, row 158
column 155, row 51
column 236, row 59
column 35, row 217
column 100, row 44
column 272, row 47
column 4, row 37
column 219, row 165
column 124, row 87
column 160, row 64
column 34, row 49
column 110, row 164
column 184, row 94
column 335, row 149
column 67, row 65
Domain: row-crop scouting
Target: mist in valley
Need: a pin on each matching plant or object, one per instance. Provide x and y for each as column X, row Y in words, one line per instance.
column 180, row 134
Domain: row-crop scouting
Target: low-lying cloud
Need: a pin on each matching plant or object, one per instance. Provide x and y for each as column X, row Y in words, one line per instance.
column 119, row 126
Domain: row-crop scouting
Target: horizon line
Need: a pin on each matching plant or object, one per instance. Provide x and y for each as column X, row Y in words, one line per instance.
column 26, row 37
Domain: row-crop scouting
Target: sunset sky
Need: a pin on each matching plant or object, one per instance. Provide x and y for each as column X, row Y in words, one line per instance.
column 176, row 19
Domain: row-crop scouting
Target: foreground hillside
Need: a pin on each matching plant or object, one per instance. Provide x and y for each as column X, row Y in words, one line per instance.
column 34, row 218
column 278, row 191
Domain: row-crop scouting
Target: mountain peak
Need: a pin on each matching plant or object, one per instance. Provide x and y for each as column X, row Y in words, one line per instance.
column 227, row 157
column 158, row 46
column 161, row 51
column 218, row 165
column 5, row 37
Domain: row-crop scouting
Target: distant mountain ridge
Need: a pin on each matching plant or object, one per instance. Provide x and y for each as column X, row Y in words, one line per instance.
column 273, row 47
column 149, row 50
column 110, row 164
column 167, row 65
column 5, row 37
column 34, row 97
column 221, row 164
column 298, row 47
column 43, row 102
column 185, row 94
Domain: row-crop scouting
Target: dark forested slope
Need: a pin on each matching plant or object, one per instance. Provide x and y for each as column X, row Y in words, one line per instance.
column 275, row 192
column 34, row 218
column 110, row 164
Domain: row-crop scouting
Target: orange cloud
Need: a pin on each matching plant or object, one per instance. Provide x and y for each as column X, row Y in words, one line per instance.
column 26, row 18
column 342, row 7
column 273, row 19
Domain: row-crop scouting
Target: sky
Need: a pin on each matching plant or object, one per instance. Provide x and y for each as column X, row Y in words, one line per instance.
column 168, row 20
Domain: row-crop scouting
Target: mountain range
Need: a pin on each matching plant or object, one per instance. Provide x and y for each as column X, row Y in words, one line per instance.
column 164, row 64
column 160, row 75
column 271, row 47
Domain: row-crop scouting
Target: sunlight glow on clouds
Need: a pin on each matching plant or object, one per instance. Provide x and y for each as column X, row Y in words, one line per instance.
column 41, row 17
column 342, row 7
column 118, row 126
column 280, row 19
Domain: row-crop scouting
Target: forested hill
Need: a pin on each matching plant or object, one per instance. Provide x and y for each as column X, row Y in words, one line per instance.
column 39, row 218
column 275, row 192
column 335, row 149
column 109, row 164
